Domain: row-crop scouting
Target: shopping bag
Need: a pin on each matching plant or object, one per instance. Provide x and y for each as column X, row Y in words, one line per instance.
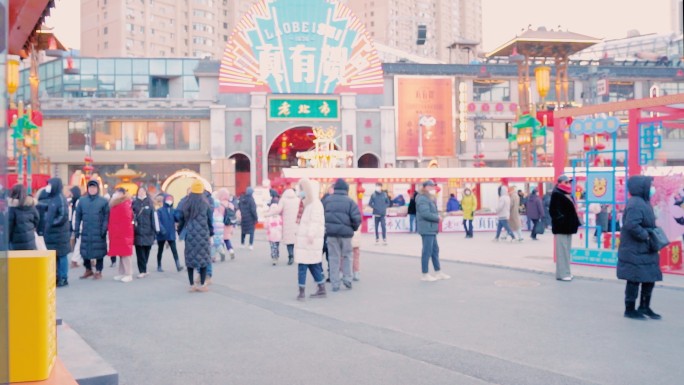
column 539, row 227
column 40, row 242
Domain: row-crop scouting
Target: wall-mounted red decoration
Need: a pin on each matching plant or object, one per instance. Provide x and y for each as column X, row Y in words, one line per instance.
column 513, row 107
column 259, row 144
column 499, row 107
column 472, row 107
column 237, row 138
column 485, row 107
column 367, row 139
column 369, row 123
column 350, row 143
column 238, row 122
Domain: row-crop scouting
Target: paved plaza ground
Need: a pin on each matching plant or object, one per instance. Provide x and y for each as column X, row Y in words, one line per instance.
column 502, row 319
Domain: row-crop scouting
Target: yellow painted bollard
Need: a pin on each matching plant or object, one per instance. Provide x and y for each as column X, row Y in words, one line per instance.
column 32, row 315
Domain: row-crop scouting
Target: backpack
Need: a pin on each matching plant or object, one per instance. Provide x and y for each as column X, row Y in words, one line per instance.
column 229, row 217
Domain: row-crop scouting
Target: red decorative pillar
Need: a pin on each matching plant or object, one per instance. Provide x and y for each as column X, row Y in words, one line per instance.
column 634, row 139
column 560, row 146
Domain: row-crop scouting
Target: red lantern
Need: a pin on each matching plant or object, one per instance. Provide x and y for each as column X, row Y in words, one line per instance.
column 481, row 156
column 475, row 156
column 600, row 146
column 587, row 148
column 360, row 190
column 438, row 189
column 88, row 159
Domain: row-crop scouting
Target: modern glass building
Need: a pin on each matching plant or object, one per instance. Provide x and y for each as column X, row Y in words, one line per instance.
column 114, row 78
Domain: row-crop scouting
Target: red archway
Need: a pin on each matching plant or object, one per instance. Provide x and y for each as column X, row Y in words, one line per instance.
column 243, row 173
column 284, row 149
column 368, row 161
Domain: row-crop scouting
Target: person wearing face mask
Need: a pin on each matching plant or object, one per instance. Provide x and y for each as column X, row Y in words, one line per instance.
column 167, row 232
column 379, row 202
column 146, row 227
column 54, row 226
column 469, row 205
column 92, row 212
column 309, row 239
column 564, row 224
column 428, row 227
column 638, row 259
column 120, row 230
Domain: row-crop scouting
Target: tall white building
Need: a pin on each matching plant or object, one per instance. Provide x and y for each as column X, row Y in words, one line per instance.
column 454, row 27
column 158, row 28
column 677, row 16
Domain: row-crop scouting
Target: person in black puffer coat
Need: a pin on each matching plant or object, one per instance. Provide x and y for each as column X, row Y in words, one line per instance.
column 342, row 219
column 54, row 226
column 564, row 224
column 146, row 229
column 23, row 220
column 638, row 261
column 248, row 217
column 412, row 213
column 93, row 211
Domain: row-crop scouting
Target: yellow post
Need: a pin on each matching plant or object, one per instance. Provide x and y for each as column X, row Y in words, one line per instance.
column 32, row 313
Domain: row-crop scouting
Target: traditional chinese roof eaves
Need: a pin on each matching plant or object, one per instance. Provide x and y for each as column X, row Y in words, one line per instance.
column 25, row 18
column 543, row 43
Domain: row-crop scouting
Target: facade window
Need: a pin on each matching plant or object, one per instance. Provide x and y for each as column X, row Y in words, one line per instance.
column 144, row 135
column 77, row 135
column 671, row 88
column 491, row 91
column 619, row 91
column 105, row 30
column 106, row 44
column 225, row 25
column 130, row 27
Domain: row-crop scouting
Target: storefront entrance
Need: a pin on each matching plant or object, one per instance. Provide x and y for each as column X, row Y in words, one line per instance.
column 283, row 151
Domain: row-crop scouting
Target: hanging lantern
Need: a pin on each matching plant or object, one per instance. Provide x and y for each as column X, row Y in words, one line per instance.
column 284, row 150
column 12, row 74
column 360, row 191
column 542, row 75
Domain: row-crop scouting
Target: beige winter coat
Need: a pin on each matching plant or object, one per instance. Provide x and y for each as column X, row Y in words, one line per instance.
column 288, row 207
column 514, row 220
column 309, row 240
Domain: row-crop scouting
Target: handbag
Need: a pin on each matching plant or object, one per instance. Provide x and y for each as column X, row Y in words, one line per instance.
column 657, row 238
column 539, row 227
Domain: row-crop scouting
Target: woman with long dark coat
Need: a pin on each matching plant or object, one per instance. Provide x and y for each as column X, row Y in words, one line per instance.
column 248, row 217
column 55, row 226
column 638, row 260
column 146, row 229
column 23, row 219
column 195, row 219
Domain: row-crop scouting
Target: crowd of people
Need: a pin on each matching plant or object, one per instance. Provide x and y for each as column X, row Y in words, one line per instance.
column 91, row 227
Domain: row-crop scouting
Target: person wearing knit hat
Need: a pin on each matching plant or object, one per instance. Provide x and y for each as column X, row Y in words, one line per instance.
column 195, row 219
column 342, row 219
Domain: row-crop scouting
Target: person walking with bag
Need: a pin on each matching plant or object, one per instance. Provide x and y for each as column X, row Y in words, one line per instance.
column 427, row 216
column 535, row 212
column 146, row 227
column 564, row 224
column 503, row 214
column 469, row 205
column 121, row 237
column 309, row 239
column 196, row 220
column 55, row 226
column 167, row 232
column 638, row 258
column 23, row 219
column 92, row 212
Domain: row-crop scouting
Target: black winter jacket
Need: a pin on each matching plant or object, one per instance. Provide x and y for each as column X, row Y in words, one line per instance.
column 54, row 226
column 144, row 218
column 564, row 218
column 93, row 211
column 23, row 222
column 248, row 213
column 342, row 215
column 638, row 261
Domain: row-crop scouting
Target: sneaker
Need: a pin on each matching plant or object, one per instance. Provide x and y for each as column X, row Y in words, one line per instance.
column 251, row 248
column 232, row 253
column 519, row 239
column 118, row 277
column 336, row 289
column 384, row 242
column 357, row 276
column 159, row 269
column 207, row 281
column 428, row 278
column 274, row 262
column 495, row 240
column 193, row 288
column 377, row 242
column 62, row 282
column 440, row 275
column 113, row 264
column 203, row 289
column 127, row 279
column 142, row 275
column 348, row 285
column 179, row 268
column 566, row 279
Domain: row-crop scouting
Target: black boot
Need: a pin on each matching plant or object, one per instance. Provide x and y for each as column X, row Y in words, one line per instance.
column 320, row 293
column 645, row 307
column 632, row 313
column 290, row 260
column 62, row 282
column 301, row 296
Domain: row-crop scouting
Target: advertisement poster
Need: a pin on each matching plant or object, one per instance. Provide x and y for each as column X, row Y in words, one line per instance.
column 424, row 108
column 600, row 186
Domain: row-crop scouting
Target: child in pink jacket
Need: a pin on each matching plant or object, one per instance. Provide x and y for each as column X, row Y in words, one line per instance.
column 274, row 232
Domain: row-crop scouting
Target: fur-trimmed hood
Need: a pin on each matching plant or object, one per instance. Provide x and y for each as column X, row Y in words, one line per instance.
column 28, row 202
column 117, row 200
column 310, row 189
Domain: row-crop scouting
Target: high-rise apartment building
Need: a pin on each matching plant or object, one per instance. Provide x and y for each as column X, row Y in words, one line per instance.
column 677, row 16
column 158, row 28
column 454, row 27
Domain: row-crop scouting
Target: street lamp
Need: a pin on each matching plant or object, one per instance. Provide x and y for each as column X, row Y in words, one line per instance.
column 12, row 78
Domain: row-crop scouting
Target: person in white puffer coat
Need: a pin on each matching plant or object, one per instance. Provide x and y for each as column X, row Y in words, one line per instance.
column 288, row 208
column 309, row 239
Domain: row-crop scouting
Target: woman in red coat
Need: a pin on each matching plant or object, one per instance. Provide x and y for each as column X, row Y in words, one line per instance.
column 120, row 228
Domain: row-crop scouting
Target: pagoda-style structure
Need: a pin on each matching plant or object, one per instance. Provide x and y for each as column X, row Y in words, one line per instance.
column 126, row 176
column 537, row 47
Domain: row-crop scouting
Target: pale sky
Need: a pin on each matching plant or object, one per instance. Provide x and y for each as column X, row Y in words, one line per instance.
column 502, row 19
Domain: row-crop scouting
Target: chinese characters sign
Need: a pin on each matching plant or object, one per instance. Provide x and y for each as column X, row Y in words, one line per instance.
column 303, row 109
column 300, row 47
column 424, row 107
